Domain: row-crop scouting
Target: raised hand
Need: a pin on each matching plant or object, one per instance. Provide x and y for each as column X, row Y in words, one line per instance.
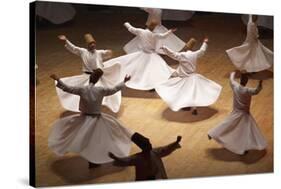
column 173, row 29
column 206, row 40
column 179, row 138
column 62, row 37
column 54, row 77
column 111, row 155
column 127, row 78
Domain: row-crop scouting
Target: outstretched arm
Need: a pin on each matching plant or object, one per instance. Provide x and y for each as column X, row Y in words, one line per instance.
column 131, row 29
column 232, row 81
column 168, row 149
column 69, row 46
column 202, row 49
column 66, row 88
column 111, row 91
column 172, row 54
column 255, row 91
column 106, row 54
column 250, row 20
column 165, row 34
column 122, row 162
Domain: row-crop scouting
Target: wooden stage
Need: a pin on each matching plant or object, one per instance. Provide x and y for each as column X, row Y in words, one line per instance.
column 144, row 111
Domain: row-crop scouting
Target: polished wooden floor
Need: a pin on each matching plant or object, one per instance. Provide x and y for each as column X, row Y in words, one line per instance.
column 145, row 112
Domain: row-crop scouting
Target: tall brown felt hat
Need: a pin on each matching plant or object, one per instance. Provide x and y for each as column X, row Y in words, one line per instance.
column 89, row 38
column 190, row 44
column 153, row 23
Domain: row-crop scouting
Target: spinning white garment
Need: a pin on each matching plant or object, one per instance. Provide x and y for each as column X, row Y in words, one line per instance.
column 187, row 88
column 92, row 134
column 239, row 131
column 91, row 61
column 146, row 67
column 171, row 41
column 252, row 55
column 265, row 21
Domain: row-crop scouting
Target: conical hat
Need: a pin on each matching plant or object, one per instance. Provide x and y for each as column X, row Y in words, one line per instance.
column 190, row 44
column 254, row 18
column 89, row 38
column 153, row 23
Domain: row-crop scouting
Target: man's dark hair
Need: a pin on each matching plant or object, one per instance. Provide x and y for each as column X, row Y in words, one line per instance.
column 244, row 79
column 141, row 141
column 96, row 75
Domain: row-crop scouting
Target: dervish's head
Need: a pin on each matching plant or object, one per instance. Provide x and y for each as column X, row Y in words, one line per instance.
column 244, row 77
column 190, row 44
column 142, row 142
column 91, row 42
column 96, row 75
column 254, row 18
column 152, row 25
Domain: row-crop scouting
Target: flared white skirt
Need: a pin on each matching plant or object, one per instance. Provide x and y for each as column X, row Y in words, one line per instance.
column 252, row 57
column 90, row 136
column 147, row 70
column 239, row 133
column 191, row 91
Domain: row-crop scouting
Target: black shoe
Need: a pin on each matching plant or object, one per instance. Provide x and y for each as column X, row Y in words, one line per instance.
column 194, row 112
column 152, row 90
column 246, row 152
column 209, row 137
column 93, row 165
column 186, row 109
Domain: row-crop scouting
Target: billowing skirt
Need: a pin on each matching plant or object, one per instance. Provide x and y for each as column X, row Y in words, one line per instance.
column 90, row 136
column 239, row 133
column 191, row 91
column 252, row 57
column 147, row 70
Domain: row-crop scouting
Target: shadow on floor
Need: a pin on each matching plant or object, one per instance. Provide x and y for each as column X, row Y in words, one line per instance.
column 223, row 154
column 68, row 113
column 106, row 110
column 127, row 92
column 186, row 116
column 75, row 170
column 261, row 75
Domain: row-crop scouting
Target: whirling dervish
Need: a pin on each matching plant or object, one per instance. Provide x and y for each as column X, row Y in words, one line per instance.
column 171, row 41
column 239, row 131
column 148, row 163
column 91, row 59
column 92, row 134
column 148, row 68
column 186, row 88
column 252, row 55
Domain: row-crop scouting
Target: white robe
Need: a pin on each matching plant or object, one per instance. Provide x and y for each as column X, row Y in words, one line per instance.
column 92, row 134
column 252, row 55
column 239, row 131
column 186, row 88
column 172, row 41
column 91, row 61
column 146, row 67
column 265, row 21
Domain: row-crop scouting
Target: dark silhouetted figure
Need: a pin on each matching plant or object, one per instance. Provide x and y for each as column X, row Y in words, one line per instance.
column 148, row 163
